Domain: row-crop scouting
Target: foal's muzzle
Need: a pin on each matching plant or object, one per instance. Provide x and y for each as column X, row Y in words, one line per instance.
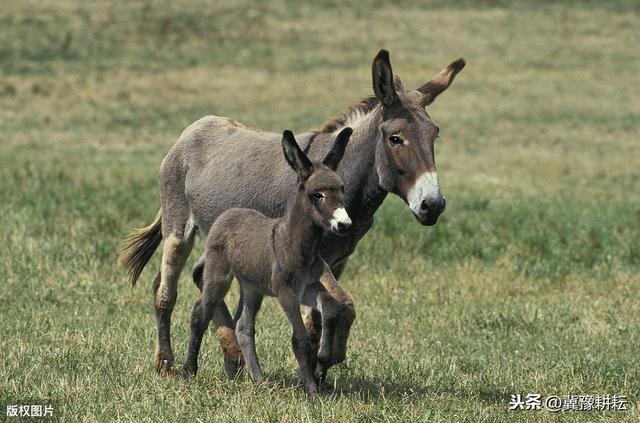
column 430, row 210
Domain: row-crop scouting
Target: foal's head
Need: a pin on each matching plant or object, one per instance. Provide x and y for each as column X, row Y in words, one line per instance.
column 321, row 188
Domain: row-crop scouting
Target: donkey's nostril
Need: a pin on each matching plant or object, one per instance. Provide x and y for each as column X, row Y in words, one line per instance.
column 424, row 206
column 342, row 226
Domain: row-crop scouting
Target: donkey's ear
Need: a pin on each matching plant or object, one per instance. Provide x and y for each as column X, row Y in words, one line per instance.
column 382, row 76
column 441, row 81
column 332, row 160
column 295, row 157
column 397, row 84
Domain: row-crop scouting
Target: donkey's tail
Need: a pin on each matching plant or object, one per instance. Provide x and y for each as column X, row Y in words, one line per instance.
column 139, row 246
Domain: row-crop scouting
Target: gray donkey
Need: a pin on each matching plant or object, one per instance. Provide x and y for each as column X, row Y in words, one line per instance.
column 275, row 257
column 391, row 150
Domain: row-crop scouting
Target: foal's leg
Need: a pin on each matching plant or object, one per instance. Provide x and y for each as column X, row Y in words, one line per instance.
column 328, row 309
column 347, row 311
column 331, row 344
column 233, row 360
column 217, row 281
column 300, row 340
column 245, row 332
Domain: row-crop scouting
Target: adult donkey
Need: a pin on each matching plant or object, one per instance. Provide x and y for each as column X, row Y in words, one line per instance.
column 218, row 164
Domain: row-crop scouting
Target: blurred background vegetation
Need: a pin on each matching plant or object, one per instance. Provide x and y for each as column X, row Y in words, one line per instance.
column 527, row 284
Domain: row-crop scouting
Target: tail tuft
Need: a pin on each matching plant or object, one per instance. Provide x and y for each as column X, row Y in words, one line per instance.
column 139, row 246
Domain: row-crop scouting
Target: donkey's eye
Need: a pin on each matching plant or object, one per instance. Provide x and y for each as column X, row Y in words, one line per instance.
column 318, row 196
column 396, row 140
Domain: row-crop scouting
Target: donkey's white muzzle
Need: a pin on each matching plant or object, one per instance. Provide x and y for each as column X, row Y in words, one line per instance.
column 426, row 200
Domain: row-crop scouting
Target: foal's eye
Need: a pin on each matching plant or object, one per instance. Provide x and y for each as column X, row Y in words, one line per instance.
column 395, row 140
column 318, row 196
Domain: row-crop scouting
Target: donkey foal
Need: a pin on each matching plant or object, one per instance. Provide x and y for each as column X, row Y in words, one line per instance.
column 279, row 258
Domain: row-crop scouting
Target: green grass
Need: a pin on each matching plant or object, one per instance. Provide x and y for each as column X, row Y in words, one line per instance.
column 527, row 284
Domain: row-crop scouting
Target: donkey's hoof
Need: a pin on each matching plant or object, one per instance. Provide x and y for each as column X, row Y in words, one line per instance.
column 325, row 387
column 312, row 391
column 164, row 366
column 187, row 373
column 233, row 367
column 310, row 388
column 320, row 373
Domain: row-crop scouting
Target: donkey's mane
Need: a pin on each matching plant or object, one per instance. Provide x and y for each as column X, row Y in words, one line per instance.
column 351, row 117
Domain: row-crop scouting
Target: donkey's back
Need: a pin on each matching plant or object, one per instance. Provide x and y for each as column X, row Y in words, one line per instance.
column 208, row 150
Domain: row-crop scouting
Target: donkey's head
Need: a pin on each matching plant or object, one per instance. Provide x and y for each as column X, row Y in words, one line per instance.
column 321, row 190
column 405, row 159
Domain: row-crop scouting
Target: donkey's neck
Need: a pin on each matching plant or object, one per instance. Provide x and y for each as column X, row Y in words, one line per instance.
column 358, row 168
column 300, row 235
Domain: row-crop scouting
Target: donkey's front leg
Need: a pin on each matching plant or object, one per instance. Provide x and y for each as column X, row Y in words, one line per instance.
column 300, row 340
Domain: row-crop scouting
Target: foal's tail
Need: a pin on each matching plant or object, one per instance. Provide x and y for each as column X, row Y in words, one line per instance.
column 139, row 246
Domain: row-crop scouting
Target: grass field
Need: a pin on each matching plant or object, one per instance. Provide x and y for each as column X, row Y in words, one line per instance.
column 528, row 284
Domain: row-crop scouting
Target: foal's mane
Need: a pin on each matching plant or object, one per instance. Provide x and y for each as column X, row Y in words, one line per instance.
column 352, row 116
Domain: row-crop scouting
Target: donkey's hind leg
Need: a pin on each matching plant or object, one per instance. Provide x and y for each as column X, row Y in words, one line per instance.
column 225, row 324
column 178, row 232
column 233, row 358
column 176, row 250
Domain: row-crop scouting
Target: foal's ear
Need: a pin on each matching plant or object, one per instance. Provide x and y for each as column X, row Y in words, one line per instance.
column 440, row 82
column 382, row 76
column 332, row 160
column 295, row 157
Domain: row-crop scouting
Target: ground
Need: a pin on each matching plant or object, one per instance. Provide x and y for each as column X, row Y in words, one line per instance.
column 528, row 283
